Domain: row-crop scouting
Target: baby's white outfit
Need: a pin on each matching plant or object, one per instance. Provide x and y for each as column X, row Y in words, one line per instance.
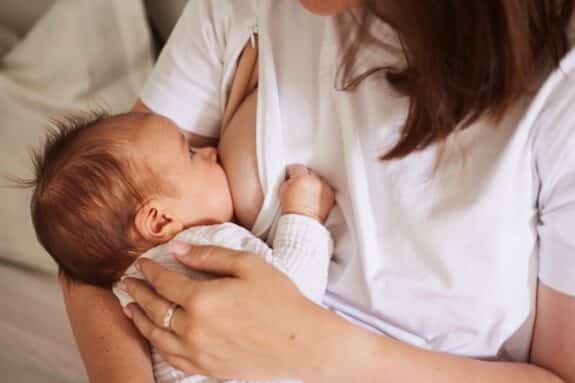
column 302, row 249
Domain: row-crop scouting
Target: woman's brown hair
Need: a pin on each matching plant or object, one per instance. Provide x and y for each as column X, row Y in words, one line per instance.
column 466, row 59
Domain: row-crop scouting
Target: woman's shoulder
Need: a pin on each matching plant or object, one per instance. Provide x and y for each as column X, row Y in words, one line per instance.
column 190, row 67
column 552, row 109
column 220, row 7
column 554, row 140
column 552, row 115
column 559, row 87
column 203, row 18
column 217, row 12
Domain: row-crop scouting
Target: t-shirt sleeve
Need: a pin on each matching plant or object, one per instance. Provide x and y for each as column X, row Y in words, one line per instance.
column 554, row 149
column 185, row 85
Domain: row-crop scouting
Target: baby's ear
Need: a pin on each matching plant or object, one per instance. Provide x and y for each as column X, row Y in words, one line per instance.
column 155, row 223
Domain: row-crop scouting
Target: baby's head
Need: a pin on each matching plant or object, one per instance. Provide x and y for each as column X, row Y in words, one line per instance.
column 107, row 189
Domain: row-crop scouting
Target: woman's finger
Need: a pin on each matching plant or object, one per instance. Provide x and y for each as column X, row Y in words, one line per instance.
column 169, row 284
column 178, row 323
column 161, row 338
column 151, row 303
column 218, row 260
column 154, row 306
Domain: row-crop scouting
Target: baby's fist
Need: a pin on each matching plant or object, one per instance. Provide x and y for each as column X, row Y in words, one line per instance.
column 306, row 193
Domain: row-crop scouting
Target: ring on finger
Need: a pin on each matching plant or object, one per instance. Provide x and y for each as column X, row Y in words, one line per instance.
column 169, row 316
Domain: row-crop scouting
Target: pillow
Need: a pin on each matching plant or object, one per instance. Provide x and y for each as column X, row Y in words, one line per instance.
column 163, row 14
column 8, row 39
column 81, row 55
column 19, row 16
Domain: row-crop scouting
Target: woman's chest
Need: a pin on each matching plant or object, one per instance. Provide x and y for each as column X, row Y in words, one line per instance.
column 452, row 229
column 237, row 151
column 482, row 174
column 469, row 204
column 438, row 249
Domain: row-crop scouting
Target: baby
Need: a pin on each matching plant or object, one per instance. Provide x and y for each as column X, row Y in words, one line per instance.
column 108, row 190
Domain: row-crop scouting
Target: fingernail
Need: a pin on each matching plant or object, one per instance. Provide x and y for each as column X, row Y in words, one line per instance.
column 138, row 266
column 127, row 312
column 180, row 248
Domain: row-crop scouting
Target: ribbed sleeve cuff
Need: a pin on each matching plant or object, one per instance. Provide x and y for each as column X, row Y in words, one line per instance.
column 305, row 237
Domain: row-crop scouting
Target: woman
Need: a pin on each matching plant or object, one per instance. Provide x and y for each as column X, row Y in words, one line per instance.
column 456, row 191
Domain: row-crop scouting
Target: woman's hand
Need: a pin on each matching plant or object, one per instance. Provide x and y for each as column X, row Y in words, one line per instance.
column 252, row 323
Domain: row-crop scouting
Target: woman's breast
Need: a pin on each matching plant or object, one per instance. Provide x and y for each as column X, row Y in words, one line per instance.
column 237, row 151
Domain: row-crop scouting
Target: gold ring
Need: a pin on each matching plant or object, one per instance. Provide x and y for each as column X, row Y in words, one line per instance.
column 167, row 323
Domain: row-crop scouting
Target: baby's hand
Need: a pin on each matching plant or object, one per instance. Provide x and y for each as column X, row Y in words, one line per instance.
column 306, row 193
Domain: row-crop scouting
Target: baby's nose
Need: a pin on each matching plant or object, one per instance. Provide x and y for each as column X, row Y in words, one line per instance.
column 209, row 153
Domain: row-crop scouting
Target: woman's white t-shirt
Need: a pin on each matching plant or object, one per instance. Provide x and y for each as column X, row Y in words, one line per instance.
column 446, row 259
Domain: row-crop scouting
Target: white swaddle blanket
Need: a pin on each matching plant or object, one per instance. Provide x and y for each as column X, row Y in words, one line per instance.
column 302, row 249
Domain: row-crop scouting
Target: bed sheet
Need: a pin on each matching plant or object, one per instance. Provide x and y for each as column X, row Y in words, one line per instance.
column 80, row 55
column 36, row 342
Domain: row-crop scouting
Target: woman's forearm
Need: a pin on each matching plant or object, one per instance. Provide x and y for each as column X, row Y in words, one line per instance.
column 300, row 340
column 355, row 354
column 110, row 346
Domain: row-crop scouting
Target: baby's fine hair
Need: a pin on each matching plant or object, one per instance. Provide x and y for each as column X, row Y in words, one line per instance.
column 85, row 197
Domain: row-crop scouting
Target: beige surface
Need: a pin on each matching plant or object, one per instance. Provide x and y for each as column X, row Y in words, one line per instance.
column 163, row 14
column 8, row 38
column 20, row 15
column 81, row 54
column 36, row 344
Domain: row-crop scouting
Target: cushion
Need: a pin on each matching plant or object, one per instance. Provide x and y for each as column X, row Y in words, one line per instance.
column 20, row 16
column 163, row 15
column 80, row 55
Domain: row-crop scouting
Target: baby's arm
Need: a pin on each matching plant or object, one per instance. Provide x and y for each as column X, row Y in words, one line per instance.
column 302, row 246
column 302, row 250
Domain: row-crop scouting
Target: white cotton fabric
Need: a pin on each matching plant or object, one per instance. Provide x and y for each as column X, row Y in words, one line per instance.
column 445, row 258
column 301, row 250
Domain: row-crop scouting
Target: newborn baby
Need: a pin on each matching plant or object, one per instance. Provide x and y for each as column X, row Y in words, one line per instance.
column 111, row 189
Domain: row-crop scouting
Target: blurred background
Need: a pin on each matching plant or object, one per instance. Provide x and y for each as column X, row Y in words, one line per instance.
column 57, row 57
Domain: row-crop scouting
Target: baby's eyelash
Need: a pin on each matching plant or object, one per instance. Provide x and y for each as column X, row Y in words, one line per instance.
column 192, row 151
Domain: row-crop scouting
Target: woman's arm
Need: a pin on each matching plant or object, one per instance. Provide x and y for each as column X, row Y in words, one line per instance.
column 552, row 361
column 300, row 340
column 554, row 337
column 111, row 347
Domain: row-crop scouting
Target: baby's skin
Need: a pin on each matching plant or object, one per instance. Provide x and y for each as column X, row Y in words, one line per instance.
column 198, row 191
column 199, row 194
